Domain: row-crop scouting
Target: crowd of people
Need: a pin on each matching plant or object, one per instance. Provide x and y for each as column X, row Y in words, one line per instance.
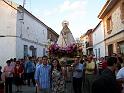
column 89, row 74
column 17, row 72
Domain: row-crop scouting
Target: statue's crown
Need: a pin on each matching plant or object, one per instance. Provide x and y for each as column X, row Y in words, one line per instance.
column 65, row 23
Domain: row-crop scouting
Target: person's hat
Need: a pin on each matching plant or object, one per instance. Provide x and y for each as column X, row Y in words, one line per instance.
column 8, row 61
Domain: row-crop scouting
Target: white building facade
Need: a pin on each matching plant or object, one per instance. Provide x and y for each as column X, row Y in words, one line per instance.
column 21, row 33
column 98, row 41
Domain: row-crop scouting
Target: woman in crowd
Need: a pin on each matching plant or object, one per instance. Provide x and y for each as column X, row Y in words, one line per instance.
column 89, row 74
column 57, row 77
column 18, row 72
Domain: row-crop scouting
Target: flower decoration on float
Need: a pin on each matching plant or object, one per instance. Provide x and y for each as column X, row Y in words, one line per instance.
column 68, row 51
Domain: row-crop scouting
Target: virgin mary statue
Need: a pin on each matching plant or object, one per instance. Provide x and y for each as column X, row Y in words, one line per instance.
column 66, row 38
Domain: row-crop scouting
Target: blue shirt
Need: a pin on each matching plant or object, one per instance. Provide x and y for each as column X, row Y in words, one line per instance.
column 42, row 75
column 29, row 67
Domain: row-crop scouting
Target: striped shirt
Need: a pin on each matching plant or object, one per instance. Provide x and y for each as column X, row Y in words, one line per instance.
column 42, row 75
column 100, row 65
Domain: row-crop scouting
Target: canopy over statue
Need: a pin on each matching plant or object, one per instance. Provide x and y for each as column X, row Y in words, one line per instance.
column 66, row 38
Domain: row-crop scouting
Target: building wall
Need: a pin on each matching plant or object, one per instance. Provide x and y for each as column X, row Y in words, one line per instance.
column 98, row 41
column 7, row 19
column 32, row 29
column 117, row 26
column 101, row 52
column 89, row 44
column 98, row 34
column 8, row 31
column 83, row 41
column 20, row 48
column 114, row 40
column 7, row 49
column 15, row 33
column 52, row 36
column 32, row 32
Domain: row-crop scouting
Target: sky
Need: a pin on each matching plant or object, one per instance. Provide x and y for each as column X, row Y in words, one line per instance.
column 81, row 14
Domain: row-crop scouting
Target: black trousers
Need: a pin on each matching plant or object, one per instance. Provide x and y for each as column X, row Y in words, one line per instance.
column 77, row 85
column 8, row 85
column 30, row 76
column 100, row 71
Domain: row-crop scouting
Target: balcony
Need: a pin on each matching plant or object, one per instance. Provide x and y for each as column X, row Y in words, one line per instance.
column 89, row 45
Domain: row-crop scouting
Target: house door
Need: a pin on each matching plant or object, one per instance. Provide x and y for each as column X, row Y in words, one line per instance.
column 110, row 49
column 25, row 50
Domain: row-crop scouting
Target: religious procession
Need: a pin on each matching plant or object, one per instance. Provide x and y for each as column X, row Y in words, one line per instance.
column 64, row 70
column 82, row 55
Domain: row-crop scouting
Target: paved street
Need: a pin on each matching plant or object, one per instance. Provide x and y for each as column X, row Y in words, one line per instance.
column 25, row 89
column 31, row 89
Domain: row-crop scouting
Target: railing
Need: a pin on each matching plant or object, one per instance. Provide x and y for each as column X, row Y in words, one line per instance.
column 89, row 44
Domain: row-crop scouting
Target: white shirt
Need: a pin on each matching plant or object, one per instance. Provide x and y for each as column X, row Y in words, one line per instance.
column 120, row 74
column 78, row 74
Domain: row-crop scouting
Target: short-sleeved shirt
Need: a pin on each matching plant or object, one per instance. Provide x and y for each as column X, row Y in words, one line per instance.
column 77, row 74
column 90, row 65
column 8, row 71
column 120, row 74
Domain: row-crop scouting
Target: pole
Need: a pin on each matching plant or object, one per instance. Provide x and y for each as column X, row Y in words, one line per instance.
column 22, row 17
column 24, row 3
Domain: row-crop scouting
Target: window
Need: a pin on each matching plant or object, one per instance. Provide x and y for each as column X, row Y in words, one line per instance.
column 121, row 47
column 96, row 53
column 122, row 12
column 25, row 50
column 109, row 25
column 44, row 51
column 34, row 52
column 99, row 52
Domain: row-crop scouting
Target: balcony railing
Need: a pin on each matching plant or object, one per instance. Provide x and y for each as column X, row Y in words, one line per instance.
column 89, row 44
